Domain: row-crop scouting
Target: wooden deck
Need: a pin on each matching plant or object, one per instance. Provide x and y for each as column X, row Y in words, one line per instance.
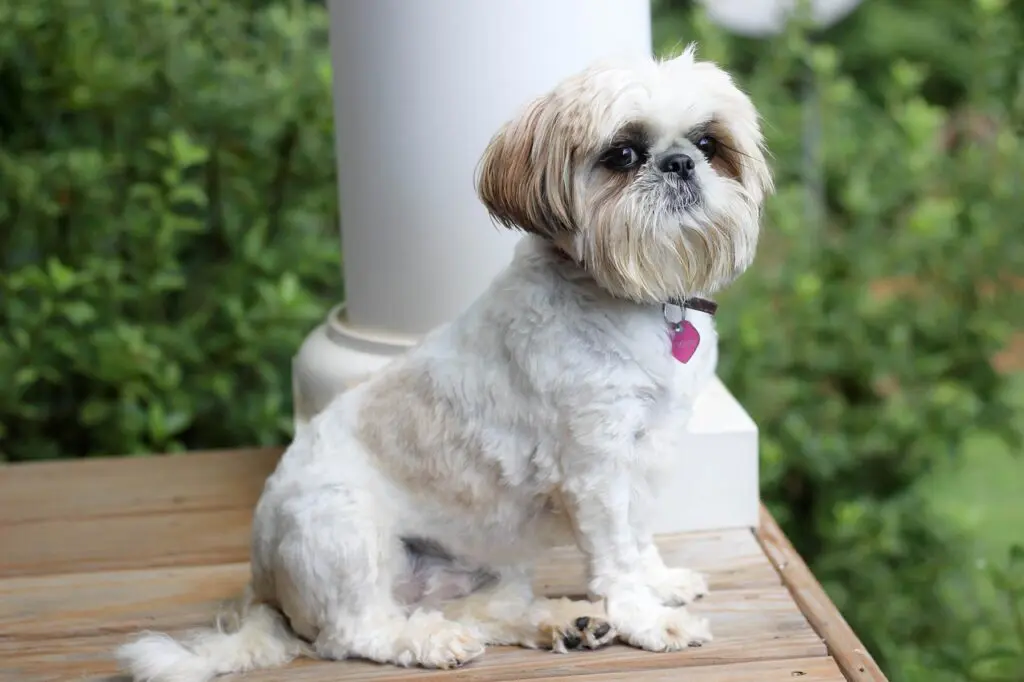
column 93, row 551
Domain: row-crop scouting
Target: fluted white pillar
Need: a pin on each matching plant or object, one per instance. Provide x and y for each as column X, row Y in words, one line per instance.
column 420, row 86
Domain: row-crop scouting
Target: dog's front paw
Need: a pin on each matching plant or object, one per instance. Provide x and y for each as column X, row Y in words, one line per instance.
column 660, row 628
column 432, row 642
column 585, row 632
column 678, row 586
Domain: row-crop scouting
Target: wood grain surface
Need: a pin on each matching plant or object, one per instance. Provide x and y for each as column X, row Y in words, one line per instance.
column 749, row 625
column 108, row 514
column 94, row 551
column 133, row 486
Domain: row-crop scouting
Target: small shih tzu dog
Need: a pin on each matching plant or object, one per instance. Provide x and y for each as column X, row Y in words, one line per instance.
column 401, row 524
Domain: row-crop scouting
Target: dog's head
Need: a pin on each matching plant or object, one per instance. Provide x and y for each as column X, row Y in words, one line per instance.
column 650, row 174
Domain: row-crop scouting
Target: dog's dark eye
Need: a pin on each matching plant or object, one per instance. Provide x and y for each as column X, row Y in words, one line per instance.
column 621, row 158
column 708, row 146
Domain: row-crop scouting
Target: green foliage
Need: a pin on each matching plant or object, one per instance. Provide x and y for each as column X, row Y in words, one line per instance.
column 167, row 221
column 862, row 340
column 995, row 654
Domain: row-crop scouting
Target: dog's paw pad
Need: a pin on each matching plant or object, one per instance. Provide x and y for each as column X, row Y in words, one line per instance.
column 586, row 632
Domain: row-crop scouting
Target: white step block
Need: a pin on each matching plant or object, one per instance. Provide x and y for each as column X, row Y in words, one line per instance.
column 713, row 483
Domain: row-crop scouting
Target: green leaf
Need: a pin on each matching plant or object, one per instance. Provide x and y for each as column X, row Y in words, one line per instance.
column 94, row 412
column 25, row 376
column 185, row 152
column 186, row 193
column 176, row 422
column 61, row 277
column 78, row 312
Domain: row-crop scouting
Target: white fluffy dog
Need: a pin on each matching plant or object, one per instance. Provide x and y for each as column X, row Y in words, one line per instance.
column 401, row 524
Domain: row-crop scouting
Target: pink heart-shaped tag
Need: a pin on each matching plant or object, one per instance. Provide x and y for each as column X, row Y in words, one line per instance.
column 684, row 342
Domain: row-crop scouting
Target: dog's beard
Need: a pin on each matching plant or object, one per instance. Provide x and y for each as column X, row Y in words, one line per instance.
column 654, row 241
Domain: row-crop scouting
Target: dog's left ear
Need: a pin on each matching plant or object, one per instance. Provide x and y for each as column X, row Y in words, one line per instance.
column 524, row 177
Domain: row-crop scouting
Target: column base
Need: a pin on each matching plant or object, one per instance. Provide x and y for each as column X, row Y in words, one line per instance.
column 714, row 484
column 336, row 356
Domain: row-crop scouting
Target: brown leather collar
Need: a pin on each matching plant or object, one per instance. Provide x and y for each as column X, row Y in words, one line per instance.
column 701, row 304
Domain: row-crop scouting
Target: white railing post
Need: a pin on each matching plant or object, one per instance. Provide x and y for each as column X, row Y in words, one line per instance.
column 420, row 86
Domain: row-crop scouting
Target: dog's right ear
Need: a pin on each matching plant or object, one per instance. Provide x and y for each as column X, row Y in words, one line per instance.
column 525, row 176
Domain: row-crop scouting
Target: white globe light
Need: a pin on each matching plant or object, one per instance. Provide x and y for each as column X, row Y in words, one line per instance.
column 763, row 18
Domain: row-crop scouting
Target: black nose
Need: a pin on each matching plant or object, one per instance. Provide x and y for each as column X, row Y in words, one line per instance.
column 677, row 164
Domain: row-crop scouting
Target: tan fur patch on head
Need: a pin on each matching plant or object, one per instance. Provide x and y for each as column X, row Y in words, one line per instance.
column 728, row 160
column 514, row 182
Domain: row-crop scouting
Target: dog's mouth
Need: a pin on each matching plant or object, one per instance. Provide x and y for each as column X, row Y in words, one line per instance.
column 683, row 196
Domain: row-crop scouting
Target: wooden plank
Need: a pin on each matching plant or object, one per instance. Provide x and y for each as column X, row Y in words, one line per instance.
column 787, row 670
column 818, row 669
column 72, row 604
column 572, row 668
column 133, row 486
column 208, row 537
column 110, row 514
column 125, row 542
column 846, row 648
column 749, row 625
column 197, row 538
column 107, row 514
column 76, row 605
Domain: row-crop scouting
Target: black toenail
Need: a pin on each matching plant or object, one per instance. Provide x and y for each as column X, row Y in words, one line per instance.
column 572, row 642
column 696, row 645
column 581, row 623
column 602, row 630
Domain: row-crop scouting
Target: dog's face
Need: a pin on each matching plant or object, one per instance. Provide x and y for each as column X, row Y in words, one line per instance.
column 652, row 175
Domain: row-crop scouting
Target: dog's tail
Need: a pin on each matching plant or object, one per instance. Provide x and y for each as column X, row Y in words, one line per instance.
column 251, row 636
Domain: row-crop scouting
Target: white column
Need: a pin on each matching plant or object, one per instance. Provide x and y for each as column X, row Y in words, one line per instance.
column 420, row 86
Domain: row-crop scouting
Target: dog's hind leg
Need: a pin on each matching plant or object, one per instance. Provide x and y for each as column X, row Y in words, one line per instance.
column 334, row 572
column 507, row 613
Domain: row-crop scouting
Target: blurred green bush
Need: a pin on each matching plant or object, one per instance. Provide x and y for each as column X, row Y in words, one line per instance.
column 167, row 221
column 891, row 275
column 167, row 238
